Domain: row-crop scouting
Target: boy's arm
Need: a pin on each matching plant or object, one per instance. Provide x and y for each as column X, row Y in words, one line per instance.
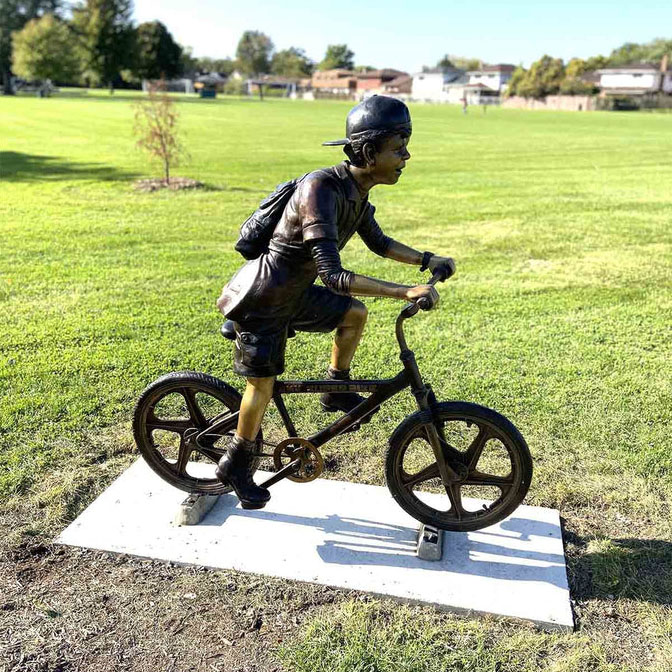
column 426, row 260
column 341, row 281
column 384, row 246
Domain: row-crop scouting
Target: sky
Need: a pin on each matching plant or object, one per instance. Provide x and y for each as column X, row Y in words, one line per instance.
column 406, row 35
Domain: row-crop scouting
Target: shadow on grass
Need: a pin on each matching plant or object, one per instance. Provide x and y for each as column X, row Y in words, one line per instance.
column 20, row 167
column 636, row 569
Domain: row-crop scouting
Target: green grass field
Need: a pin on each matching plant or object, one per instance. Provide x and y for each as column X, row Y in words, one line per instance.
column 560, row 317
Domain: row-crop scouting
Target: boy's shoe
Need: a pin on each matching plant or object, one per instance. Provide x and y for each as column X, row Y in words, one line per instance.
column 333, row 402
column 235, row 469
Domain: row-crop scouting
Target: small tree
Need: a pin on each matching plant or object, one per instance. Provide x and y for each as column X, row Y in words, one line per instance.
column 156, row 128
column 337, row 56
column 542, row 79
column 157, row 55
column 254, row 52
column 43, row 50
column 291, row 62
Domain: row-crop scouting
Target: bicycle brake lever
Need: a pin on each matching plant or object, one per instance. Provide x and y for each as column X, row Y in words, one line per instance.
column 439, row 275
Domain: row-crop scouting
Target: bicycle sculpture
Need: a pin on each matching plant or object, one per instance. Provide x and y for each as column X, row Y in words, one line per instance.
column 451, row 448
column 451, row 465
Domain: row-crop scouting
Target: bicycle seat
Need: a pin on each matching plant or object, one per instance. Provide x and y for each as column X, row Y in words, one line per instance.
column 229, row 331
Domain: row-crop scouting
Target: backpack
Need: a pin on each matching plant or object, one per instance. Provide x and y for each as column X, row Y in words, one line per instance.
column 257, row 229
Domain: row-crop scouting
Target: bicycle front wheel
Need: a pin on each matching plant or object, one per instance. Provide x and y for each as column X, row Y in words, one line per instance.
column 490, row 453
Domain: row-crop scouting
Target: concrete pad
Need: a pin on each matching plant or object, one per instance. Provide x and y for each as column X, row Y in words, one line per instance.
column 345, row 535
column 194, row 508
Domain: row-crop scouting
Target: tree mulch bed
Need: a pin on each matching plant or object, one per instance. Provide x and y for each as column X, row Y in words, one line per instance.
column 175, row 184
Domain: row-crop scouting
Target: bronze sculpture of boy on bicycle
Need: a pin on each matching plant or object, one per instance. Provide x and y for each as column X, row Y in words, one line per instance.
column 274, row 294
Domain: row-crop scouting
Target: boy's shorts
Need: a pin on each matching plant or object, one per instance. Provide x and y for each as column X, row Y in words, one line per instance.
column 260, row 344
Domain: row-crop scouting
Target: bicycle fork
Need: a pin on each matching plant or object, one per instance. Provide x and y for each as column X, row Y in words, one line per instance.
column 426, row 399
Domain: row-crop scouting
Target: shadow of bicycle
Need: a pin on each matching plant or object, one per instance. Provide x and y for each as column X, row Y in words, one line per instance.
column 516, row 549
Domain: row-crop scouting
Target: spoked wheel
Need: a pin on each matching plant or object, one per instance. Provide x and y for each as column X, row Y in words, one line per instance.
column 487, row 451
column 169, row 415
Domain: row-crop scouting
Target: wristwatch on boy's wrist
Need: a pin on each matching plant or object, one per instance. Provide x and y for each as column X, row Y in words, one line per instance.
column 426, row 257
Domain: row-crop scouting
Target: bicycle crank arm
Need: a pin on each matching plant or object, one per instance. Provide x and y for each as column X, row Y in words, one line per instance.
column 283, row 473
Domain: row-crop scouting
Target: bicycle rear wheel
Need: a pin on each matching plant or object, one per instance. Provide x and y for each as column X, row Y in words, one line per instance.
column 494, row 459
column 170, row 412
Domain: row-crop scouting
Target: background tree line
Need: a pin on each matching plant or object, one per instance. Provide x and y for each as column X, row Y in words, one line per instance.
column 95, row 42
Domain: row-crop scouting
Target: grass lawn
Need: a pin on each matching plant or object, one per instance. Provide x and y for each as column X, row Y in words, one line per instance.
column 560, row 317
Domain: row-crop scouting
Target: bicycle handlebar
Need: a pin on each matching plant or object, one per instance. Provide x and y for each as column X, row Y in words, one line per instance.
column 414, row 307
column 422, row 303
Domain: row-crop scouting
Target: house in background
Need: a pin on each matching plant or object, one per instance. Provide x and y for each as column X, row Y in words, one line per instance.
column 493, row 77
column 452, row 85
column 400, row 87
column 636, row 80
column 374, row 81
column 487, row 84
column 439, row 86
column 336, row 83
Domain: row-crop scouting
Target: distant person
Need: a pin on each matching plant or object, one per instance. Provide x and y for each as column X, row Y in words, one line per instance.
column 275, row 293
column 465, row 105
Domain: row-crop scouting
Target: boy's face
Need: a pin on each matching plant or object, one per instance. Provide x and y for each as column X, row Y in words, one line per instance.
column 390, row 160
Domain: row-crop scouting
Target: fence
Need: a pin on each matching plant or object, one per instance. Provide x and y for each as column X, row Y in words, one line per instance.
column 569, row 103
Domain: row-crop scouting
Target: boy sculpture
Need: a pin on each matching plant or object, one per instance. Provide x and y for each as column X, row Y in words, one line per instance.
column 275, row 293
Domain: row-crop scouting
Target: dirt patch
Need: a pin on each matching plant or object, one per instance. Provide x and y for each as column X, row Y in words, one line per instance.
column 175, row 184
column 75, row 609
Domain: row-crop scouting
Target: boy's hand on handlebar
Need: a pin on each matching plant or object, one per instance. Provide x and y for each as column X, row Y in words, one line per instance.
column 427, row 292
column 445, row 264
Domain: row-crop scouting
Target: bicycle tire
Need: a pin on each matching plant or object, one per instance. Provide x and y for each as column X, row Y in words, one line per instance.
column 185, row 384
column 491, row 427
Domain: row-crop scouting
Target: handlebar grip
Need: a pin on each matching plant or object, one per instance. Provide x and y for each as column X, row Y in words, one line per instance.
column 423, row 303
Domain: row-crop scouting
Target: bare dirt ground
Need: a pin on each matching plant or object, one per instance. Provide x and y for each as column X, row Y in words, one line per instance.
column 65, row 609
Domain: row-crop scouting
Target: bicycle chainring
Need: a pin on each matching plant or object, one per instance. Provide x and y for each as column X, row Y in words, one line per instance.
column 288, row 450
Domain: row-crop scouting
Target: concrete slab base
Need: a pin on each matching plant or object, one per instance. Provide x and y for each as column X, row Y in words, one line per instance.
column 194, row 508
column 345, row 535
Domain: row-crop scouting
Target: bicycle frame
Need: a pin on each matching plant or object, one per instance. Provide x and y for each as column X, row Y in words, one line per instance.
column 381, row 390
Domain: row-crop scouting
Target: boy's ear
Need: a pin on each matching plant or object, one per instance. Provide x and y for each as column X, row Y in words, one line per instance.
column 369, row 151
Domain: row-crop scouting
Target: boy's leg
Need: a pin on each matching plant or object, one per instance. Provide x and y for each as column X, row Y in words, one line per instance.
column 235, row 468
column 348, row 335
column 258, row 393
column 259, row 356
column 322, row 310
column 347, row 338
